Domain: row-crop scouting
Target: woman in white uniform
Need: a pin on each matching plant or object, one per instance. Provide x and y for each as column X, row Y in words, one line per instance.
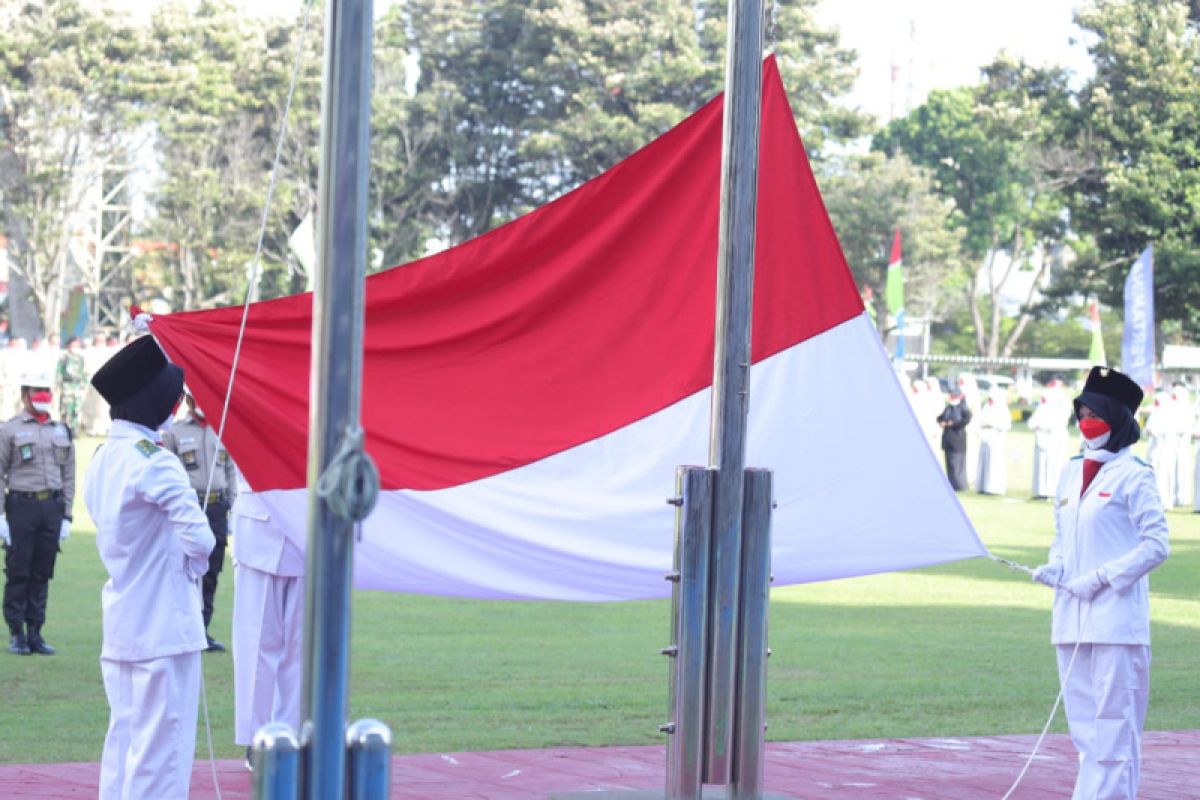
column 1110, row 532
column 995, row 421
column 154, row 541
column 1049, row 425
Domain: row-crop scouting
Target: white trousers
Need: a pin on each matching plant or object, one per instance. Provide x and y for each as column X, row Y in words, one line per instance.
column 1106, row 695
column 268, row 629
column 152, row 727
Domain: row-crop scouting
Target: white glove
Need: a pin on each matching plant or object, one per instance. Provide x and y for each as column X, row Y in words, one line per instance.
column 64, row 532
column 1048, row 574
column 4, row 534
column 1086, row 587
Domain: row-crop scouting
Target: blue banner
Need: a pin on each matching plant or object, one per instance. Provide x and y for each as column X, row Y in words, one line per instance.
column 1137, row 343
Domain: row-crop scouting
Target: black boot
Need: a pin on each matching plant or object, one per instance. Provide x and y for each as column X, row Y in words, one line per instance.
column 18, row 645
column 37, row 644
column 213, row 645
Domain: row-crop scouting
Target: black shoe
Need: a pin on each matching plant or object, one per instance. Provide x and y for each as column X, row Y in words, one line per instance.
column 18, row 645
column 40, row 647
column 213, row 645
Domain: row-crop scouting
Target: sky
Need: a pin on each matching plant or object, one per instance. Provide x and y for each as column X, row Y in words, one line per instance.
column 943, row 43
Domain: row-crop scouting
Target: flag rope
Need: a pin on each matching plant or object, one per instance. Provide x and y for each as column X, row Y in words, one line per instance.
column 1013, row 565
column 251, row 287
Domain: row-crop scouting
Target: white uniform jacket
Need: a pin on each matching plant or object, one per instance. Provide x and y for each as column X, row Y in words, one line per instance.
column 154, row 541
column 1117, row 527
column 259, row 544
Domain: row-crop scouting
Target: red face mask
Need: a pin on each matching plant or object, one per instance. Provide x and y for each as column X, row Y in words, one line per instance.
column 1092, row 427
column 42, row 396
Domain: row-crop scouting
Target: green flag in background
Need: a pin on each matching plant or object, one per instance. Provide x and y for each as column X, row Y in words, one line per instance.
column 1096, row 353
column 895, row 293
column 895, row 278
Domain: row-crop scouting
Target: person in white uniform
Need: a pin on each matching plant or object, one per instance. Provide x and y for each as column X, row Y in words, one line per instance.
column 1110, row 532
column 268, row 620
column 1184, row 422
column 970, row 391
column 1050, row 438
column 154, row 542
column 1163, row 451
column 1196, row 474
column 994, row 424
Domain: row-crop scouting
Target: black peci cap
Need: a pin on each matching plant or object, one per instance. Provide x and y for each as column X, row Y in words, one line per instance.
column 1117, row 385
column 130, row 370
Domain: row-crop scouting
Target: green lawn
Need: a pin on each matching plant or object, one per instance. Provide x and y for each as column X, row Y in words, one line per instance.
column 955, row 650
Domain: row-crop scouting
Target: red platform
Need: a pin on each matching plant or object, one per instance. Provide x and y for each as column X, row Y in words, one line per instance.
column 896, row 769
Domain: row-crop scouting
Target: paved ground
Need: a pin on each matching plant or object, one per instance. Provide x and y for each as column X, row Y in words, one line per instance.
column 895, row 769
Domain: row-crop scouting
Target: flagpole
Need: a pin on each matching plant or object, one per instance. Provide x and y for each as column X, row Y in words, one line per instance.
column 335, row 391
column 731, row 368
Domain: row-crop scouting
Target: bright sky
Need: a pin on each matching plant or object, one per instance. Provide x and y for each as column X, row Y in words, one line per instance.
column 942, row 43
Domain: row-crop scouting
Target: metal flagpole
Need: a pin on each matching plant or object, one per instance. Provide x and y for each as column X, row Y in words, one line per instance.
column 335, row 393
column 731, row 377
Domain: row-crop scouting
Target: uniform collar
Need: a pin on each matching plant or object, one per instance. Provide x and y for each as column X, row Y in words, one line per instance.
column 27, row 417
column 124, row 429
column 1105, row 460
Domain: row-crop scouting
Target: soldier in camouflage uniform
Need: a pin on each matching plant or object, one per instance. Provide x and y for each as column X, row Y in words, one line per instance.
column 73, row 383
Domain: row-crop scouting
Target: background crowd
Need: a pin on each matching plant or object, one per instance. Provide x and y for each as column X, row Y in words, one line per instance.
column 969, row 427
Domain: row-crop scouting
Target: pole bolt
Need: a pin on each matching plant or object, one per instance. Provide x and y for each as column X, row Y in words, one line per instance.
column 675, row 501
column 670, row 651
column 673, row 577
column 667, row 727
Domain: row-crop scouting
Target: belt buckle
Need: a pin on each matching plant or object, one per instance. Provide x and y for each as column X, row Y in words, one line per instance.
column 43, row 494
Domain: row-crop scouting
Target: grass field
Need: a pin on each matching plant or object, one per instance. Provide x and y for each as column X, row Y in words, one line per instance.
column 956, row 650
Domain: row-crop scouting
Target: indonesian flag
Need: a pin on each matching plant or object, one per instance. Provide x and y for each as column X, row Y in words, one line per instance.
column 528, row 394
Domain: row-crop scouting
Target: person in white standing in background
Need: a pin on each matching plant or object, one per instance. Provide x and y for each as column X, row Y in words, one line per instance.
column 94, row 418
column 1163, row 450
column 1050, row 438
column 268, row 620
column 929, row 406
column 994, row 424
column 1110, row 532
column 1196, row 455
column 970, row 390
column 1184, row 422
column 154, row 542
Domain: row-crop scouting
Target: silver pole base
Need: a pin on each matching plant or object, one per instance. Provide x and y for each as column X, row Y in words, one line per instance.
column 275, row 757
column 369, row 768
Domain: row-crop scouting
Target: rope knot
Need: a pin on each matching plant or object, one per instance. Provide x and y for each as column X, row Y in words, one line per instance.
column 350, row 482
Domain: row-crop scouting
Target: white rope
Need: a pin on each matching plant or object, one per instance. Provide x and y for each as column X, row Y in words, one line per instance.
column 1061, row 687
column 1011, row 564
column 251, row 286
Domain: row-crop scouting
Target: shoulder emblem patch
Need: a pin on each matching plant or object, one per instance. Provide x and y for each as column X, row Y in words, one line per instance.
column 146, row 447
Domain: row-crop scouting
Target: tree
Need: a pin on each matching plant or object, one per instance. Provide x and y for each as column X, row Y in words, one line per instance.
column 873, row 195
column 63, row 119
column 991, row 148
column 215, row 87
column 518, row 102
column 1139, row 121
